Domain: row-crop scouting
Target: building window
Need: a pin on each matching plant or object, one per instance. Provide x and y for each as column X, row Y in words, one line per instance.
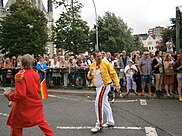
column 149, row 43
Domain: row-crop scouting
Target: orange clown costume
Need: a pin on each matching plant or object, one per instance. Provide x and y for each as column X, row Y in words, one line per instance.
column 27, row 110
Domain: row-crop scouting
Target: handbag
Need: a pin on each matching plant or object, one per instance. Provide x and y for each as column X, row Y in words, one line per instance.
column 136, row 76
column 169, row 72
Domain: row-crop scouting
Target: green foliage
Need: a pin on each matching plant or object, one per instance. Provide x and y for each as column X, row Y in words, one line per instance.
column 114, row 34
column 23, row 30
column 71, row 32
column 170, row 33
column 180, row 31
column 138, row 45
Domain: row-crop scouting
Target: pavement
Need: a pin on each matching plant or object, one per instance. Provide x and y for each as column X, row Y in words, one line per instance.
column 73, row 91
column 66, row 91
column 92, row 92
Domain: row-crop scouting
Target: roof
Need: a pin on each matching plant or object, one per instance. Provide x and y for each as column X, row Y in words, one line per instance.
column 142, row 36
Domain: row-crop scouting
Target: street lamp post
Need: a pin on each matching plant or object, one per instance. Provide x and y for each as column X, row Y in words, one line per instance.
column 177, row 31
column 97, row 38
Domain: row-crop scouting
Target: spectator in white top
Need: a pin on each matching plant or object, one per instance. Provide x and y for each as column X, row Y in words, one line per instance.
column 62, row 62
column 63, row 65
column 71, row 70
column 56, row 75
column 104, row 56
column 130, row 69
column 110, row 58
column 55, row 63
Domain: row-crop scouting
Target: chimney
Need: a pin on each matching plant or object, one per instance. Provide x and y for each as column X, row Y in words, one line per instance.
column 50, row 6
column 1, row 4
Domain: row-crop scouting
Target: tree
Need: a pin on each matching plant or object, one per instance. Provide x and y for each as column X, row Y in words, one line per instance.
column 23, row 30
column 71, row 32
column 170, row 33
column 114, row 34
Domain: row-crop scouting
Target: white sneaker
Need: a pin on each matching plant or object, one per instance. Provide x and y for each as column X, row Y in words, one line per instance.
column 95, row 129
column 120, row 95
column 113, row 100
column 107, row 125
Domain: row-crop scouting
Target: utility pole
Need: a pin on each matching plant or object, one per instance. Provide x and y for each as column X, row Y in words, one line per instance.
column 1, row 4
column 97, row 34
column 177, row 30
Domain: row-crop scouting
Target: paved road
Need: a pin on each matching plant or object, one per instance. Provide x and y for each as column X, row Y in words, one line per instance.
column 71, row 115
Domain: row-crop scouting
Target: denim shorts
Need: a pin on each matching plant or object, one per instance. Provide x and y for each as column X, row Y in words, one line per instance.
column 146, row 79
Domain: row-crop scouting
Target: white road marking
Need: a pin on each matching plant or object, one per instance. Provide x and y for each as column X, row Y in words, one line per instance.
column 117, row 101
column 89, row 127
column 4, row 114
column 65, row 98
column 150, row 131
column 143, row 102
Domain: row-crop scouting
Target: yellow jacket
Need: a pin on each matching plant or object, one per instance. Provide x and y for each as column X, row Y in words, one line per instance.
column 108, row 72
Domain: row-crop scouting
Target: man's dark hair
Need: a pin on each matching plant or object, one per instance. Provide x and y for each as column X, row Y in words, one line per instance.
column 156, row 53
column 95, row 52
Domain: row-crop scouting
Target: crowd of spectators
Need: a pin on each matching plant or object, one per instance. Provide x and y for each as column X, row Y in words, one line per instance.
column 135, row 70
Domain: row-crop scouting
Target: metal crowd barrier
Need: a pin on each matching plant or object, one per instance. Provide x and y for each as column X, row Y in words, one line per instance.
column 7, row 76
column 56, row 78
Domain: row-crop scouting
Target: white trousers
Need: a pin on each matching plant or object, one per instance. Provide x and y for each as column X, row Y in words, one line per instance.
column 102, row 106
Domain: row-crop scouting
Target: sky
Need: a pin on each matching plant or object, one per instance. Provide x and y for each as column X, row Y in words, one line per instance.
column 140, row 15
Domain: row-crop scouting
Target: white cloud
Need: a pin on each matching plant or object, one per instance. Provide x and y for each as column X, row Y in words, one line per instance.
column 140, row 15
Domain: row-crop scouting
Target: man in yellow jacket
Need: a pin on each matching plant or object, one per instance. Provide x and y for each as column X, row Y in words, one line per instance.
column 103, row 74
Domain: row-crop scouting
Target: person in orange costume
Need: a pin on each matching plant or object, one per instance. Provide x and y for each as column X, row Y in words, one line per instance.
column 28, row 108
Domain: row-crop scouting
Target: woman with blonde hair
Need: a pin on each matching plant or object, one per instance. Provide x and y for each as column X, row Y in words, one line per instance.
column 42, row 68
column 168, row 74
column 178, row 68
column 8, row 65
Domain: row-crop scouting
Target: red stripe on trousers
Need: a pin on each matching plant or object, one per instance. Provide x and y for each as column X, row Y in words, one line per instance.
column 100, row 104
